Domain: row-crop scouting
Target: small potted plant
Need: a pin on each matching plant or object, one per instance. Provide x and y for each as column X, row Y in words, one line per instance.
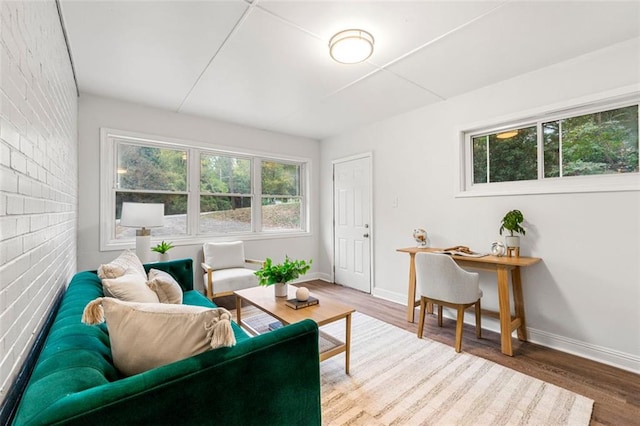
column 280, row 274
column 511, row 222
column 162, row 249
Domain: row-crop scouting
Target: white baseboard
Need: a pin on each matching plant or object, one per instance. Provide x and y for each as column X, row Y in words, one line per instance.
column 597, row 353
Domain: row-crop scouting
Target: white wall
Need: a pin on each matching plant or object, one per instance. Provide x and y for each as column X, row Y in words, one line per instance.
column 585, row 296
column 96, row 112
column 38, row 175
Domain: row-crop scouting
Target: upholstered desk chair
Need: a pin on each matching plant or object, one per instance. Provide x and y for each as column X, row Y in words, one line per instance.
column 441, row 281
column 226, row 269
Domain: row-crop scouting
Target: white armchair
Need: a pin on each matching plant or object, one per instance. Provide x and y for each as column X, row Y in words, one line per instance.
column 441, row 281
column 226, row 269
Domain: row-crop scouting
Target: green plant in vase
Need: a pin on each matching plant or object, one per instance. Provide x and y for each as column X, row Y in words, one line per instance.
column 511, row 222
column 162, row 249
column 281, row 273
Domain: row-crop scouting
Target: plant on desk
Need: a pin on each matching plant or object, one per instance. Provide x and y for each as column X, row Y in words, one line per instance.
column 280, row 274
column 511, row 222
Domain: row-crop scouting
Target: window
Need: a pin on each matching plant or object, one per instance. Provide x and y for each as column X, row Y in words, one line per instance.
column 206, row 192
column 552, row 149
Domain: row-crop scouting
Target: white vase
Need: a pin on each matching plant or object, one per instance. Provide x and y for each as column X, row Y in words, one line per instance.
column 512, row 241
column 163, row 257
column 280, row 289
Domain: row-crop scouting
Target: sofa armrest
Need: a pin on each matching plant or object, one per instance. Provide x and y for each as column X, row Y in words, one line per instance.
column 273, row 378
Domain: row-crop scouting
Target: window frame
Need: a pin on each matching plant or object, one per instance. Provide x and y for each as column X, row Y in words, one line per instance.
column 108, row 188
column 464, row 186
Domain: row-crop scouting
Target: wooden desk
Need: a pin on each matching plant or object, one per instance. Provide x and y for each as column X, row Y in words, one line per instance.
column 501, row 266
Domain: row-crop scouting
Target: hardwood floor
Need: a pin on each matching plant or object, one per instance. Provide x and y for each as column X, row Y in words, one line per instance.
column 616, row 392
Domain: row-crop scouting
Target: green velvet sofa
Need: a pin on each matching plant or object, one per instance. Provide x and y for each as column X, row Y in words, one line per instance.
column 269, row 379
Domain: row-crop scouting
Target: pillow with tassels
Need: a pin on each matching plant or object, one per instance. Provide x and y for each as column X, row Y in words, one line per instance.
column 148, row 335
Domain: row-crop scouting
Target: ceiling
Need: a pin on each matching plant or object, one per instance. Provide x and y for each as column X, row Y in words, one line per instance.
column 266, row 63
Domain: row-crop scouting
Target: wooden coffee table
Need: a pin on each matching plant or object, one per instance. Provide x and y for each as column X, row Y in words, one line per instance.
column 327, row 311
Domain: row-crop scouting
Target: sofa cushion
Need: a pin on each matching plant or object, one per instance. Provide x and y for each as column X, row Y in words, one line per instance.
column 224, row 255
column 126, row 263
column 148, row 335
column 130, row 288
column 165, row 286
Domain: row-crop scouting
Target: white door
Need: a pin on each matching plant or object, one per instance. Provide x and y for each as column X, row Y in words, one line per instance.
column 352, row 220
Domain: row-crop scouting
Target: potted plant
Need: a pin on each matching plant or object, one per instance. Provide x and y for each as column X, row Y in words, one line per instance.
column 280, row 274
column 511, row 222
column 162, row 249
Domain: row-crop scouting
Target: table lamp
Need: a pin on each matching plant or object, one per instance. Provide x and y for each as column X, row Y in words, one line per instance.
column 143, row 216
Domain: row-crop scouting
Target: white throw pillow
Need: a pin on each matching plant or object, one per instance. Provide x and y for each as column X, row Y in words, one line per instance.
column 148, row 335
column 224, row 255
column 126, row 263
column 130, row 288
column 165, row 286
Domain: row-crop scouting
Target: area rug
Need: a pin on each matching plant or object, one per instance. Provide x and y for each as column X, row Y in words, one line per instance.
column 397, row 379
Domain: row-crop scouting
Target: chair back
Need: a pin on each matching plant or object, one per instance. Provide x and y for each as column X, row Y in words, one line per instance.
column 224, row 255
column 439, row 277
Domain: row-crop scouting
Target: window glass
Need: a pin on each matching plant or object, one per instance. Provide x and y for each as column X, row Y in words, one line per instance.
column 149, row 174
column 222, row 177
column 150, row 168
column 281, row 201
column 511, row 155
column 605, row 142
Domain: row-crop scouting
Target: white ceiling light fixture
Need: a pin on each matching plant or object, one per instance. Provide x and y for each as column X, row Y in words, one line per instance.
column 351, row 46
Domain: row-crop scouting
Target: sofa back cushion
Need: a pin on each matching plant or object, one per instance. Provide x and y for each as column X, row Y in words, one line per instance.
column 224, row 255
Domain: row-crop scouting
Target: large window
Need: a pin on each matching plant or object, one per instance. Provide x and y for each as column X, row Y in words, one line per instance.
column 579, row 142
column 205, row 192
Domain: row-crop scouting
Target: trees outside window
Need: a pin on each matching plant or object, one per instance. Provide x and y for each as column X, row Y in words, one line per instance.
column 205, row 192
column 598, row 143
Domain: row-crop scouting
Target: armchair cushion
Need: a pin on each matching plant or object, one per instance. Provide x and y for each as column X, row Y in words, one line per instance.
column 224, row 255
column 232, row 279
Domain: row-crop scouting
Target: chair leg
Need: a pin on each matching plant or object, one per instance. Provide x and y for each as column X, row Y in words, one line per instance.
column 439, row 315
column 423, row 308
column 459, row 323
column 478, row 326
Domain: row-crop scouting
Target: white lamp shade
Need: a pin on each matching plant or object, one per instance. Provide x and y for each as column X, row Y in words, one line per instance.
column 142, row 215
column 351, row 46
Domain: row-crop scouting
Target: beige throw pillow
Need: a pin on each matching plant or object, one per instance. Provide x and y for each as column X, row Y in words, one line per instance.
column 130, row 288
column 148, row 335
column 165, row 286
column 126, row 263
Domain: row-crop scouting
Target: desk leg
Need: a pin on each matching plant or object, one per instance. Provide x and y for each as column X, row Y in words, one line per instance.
column 411, row 298
column 347, row 341
column 518, row 302
column 505, row 310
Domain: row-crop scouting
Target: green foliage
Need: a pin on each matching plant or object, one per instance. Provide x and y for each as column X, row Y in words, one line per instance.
column 511, row 222
column 162, row 247
column 289, row 270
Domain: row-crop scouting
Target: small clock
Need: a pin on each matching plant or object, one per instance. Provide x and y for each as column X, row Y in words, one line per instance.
column 497, row 249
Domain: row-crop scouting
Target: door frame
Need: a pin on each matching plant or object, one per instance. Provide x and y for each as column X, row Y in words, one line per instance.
column 372, row 234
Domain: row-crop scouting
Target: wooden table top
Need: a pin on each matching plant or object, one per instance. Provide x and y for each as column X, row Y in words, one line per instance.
column 496, row 260
column 325, row 312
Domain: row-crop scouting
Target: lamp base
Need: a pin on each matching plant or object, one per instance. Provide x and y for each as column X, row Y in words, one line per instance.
column 143, row 244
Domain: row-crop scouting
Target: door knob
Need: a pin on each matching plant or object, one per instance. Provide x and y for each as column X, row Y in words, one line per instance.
column 365, row 235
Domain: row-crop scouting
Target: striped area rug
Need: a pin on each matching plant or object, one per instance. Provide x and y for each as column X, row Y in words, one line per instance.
column 398, row 379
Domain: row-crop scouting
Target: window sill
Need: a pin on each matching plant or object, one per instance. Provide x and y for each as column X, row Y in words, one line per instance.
column 201, row 239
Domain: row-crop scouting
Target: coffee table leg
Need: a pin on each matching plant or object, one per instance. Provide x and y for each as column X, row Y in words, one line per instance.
column 239, row 310
column 347, row 344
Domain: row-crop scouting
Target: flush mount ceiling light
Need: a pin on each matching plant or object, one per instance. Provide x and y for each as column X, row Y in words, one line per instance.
column 351, row 46
column 506, row 135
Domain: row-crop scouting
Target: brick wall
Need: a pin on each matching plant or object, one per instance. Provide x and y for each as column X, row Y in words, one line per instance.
column 38, row 174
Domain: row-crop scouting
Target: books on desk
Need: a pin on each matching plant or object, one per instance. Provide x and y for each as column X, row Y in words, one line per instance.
column 299, row 304
column 461, row 251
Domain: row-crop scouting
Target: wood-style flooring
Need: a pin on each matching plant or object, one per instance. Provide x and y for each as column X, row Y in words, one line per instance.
column 616, row 392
